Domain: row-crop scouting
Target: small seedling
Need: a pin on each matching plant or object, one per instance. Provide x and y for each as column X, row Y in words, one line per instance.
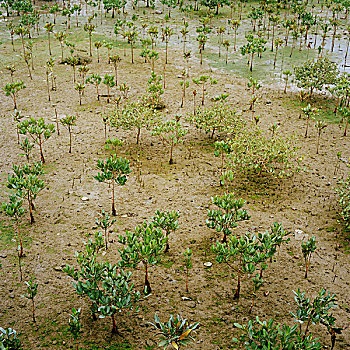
column 167, row 221
column 307, row 249
column 187, row 264
column 115, row 171
column 104, row 223
column 32, row 290
column 68, row 122
column 74, row 325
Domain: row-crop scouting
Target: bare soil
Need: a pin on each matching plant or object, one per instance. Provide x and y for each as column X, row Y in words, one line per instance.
column 63, row 221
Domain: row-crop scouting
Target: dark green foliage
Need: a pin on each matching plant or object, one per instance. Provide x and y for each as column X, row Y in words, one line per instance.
column 146, row 244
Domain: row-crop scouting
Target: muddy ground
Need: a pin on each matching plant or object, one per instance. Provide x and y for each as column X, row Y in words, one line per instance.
column 64, row 221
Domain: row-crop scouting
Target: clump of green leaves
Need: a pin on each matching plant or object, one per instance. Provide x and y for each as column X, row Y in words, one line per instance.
column 171, row 133
column 271, row 335
column 74, row 325
column 226, row 217
column 145, row 244
column 9, row 339
column 113, row 171
column 168, row 222
column 217, row 118
column 316, row 311
column 316, row 74
column 38, row 130
column 176, row 332
column 27, row 183
column 256, row 153
column 136, row 115
column 12, row 89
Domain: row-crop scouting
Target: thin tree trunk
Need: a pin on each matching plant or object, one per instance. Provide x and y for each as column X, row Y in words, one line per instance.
column 114, row 213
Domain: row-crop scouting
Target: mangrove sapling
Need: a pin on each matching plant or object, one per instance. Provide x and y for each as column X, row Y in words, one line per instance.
column 221, row 148
column 167, row 32
column 202, row 40
column 171, row 133
column 131, row 36
column 68, row 122
column 307, row 249
column 315, row 74
column 309, row 112
column 316, row 311
column 116, row 60
column 184, row 32
column 105, row 223
column 27, row 183
column 17, row 116
column 83, row 70
column 320, row 125
column 73, row 61
column 146, row 244
column 109, row 47
column 89, row 28
column 14, row 210
column 187, row 260
column 108, row 80
column 49, row 29
column 27, row 57
column 257, row 284
column 9, row 339
column 26, row 146
column 176, row 332
column 38, row 130
column 11, row 68
column 89, row 276
column 74, row 325
column 11, row 89
column 286, row 75
column 98, row 45
column 254, row 45
column 226, row 217
column 220, row 117
column 226, row 44
column 117, row 294
column 240, row 254
column 80, row 87
column 61, row 37
column 113, row 144
column 154, row 91
column 134, row 115
column 202, row 80
column 96, row 80
column 168, row 222
column 49, row 71
column 270, row 335
column 31, row 292
column 113, row 170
